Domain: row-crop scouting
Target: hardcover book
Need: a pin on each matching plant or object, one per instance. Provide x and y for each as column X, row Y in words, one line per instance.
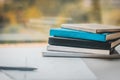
column 82, row 43
column 68, row 33
column 95, row 28
column 79, row 55
column 77, row 50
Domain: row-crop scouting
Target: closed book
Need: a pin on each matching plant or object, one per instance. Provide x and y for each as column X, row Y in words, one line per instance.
column 82, row 43
column 95, row 28
column 79, row 55
column 77, row 50
column 68, row 33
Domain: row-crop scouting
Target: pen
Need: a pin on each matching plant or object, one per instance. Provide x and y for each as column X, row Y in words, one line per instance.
column 17, row 68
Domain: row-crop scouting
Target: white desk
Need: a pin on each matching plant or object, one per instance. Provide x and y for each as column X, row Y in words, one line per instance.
column 104, row 69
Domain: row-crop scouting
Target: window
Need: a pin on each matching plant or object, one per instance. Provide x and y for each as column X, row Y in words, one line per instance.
column 30, row 20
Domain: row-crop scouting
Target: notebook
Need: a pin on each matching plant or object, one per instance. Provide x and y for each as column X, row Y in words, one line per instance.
column 57, row 69
column 77, row 50
column 75, row 34
column 95, row 28
column 48, row 68
column 82, row 43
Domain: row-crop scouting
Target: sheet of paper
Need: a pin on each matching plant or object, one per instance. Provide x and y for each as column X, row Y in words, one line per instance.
column 118, row 49
column 4, row 76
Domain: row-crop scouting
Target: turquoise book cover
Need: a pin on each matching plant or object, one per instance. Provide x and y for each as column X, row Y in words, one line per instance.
column 69, row 33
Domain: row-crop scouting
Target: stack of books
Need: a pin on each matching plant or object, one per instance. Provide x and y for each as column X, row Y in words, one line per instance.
column 83, row 40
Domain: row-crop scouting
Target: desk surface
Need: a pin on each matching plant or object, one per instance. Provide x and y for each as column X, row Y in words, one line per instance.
column 104, row 69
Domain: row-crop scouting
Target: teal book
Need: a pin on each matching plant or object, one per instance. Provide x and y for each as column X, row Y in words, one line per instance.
column 75, row 34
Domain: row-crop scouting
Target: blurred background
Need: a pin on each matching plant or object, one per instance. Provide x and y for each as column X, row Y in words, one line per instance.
column 29, row 21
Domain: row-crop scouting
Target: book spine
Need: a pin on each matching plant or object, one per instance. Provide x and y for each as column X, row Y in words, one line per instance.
column 77, row 34
column 79, row 43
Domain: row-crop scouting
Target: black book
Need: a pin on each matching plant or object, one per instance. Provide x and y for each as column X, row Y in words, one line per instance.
column 82, row 43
